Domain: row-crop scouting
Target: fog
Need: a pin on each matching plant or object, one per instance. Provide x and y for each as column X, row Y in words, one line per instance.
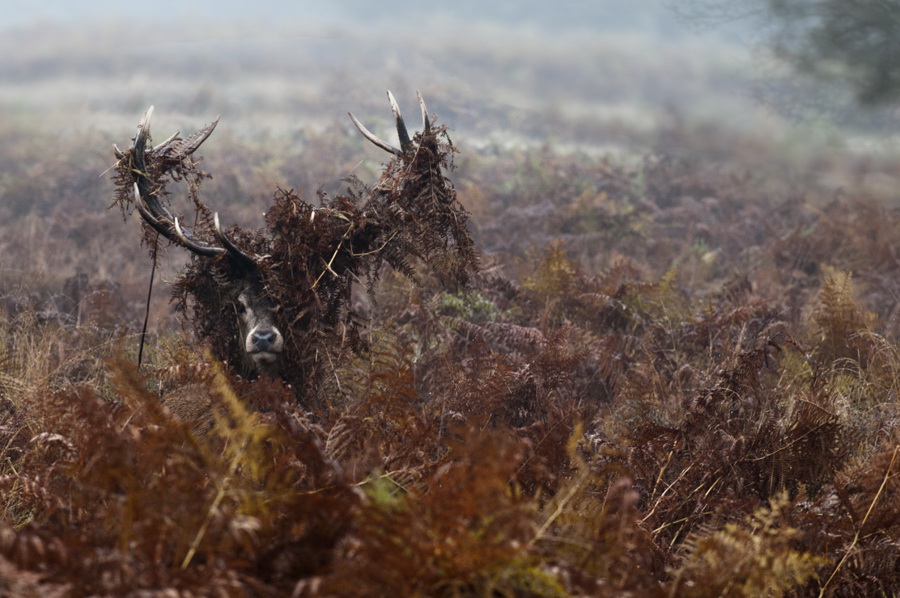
column 596, row 76
column 599, row 15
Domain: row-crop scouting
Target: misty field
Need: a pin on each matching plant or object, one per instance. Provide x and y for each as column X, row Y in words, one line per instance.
column 674, row 371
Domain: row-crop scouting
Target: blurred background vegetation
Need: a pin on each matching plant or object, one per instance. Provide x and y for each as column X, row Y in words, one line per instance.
column 594, row 79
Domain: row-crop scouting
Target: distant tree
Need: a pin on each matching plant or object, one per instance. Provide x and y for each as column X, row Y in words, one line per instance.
column 854, row 42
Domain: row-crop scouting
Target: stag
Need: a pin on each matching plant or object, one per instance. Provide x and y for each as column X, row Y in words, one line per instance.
column 242, row 288
column 277, row 301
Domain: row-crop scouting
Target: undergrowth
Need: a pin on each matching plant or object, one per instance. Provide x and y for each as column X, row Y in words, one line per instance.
column 685, row 387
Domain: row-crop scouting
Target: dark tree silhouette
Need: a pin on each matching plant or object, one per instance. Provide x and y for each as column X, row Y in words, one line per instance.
column 853, row 42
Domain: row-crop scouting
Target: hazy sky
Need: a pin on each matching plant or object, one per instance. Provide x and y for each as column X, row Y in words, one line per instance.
column 597, row 14
column 23, row 11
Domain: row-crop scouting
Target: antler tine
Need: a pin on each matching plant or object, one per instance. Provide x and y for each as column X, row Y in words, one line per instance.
column 371, row 137
column 402, row 131
column 169, row 230
column 196, row 139
column 426, row 124
column 139, row 148
column 144, row 125
column 401, row 126
column 148, row 217
column 231, row 247
column 194, row 246
column 171, row 138
column 143, row 134
column 153, row 211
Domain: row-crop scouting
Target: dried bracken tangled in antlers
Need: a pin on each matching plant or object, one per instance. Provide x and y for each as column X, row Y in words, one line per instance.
column 304, row 264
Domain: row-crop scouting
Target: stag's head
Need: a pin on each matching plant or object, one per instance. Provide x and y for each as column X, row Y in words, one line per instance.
column 237, row 273
column 285, row 295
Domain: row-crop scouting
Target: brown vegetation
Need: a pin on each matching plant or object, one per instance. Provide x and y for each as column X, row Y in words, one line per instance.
column 680, row 390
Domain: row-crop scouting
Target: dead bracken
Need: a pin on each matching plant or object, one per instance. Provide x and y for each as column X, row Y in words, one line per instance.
column 661, row 380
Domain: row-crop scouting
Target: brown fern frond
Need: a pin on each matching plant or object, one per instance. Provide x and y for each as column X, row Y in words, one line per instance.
column 466, row 531
column 757, row 557
column 842, row 322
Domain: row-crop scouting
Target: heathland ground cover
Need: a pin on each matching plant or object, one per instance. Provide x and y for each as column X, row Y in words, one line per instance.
column 675, row 373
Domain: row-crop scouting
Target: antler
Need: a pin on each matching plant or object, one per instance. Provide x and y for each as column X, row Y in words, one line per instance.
column 171, row 152
column 402, row 133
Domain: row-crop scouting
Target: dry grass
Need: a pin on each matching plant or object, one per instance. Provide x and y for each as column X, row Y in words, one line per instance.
column 671, row 377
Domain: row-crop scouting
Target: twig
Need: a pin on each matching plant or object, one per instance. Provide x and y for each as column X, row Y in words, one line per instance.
column 560, row 507
column 147, row 310
column 862, row 524
column 375, row 250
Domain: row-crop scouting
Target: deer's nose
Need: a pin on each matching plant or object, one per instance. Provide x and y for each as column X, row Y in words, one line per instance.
column 263, row 339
